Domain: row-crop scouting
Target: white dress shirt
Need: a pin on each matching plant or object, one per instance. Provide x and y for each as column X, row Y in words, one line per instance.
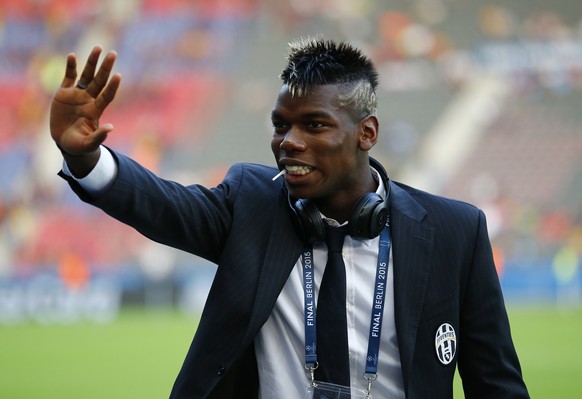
column 279, row 346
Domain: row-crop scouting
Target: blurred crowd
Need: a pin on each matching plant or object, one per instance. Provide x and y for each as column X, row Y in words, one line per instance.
column 178, row 59
column 173, row 53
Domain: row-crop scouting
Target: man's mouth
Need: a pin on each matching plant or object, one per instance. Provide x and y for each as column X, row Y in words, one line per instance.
column 298, row 170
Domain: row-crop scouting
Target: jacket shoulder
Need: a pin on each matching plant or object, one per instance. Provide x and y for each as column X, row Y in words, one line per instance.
column 255, row 177
column 436, row 206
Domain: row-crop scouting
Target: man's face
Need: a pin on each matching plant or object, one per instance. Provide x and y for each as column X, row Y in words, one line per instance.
column 320, row 145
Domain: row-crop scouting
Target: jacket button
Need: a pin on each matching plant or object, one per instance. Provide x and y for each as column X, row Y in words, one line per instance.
column 220, row 370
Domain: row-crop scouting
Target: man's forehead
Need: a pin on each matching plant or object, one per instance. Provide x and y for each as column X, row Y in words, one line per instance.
column 322, row 96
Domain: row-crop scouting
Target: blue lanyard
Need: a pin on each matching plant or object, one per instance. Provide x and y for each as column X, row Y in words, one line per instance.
column 377, row 305
column 309, row 311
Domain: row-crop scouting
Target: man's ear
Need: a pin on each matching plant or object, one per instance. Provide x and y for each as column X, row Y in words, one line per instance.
column 368, row 128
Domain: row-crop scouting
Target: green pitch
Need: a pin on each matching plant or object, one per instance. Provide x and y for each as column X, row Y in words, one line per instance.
column 548, row 342
column 139, row 355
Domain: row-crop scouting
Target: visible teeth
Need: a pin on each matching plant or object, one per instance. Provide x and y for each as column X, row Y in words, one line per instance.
column 298, row 169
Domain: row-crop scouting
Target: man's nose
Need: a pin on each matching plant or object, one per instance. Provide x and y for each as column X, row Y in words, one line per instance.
column 293, row 141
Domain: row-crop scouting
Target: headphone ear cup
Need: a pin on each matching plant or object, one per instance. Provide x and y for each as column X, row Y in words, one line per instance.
column 368, row 217
column 310, row 224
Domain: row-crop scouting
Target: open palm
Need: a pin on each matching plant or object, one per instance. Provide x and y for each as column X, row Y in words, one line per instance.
column 76, row 109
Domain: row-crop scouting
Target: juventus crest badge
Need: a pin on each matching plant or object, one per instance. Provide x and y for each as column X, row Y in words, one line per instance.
column 445, row 342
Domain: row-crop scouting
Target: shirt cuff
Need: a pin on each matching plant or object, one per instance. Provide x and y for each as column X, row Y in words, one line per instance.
column 102, row 175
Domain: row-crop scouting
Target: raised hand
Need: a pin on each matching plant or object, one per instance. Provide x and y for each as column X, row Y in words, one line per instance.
column 76, row 109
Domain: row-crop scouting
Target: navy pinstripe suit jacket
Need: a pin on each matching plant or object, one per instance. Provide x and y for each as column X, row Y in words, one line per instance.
column 443, row 273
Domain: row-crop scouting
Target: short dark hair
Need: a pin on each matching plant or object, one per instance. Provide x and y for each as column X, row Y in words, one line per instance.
column 313, row 62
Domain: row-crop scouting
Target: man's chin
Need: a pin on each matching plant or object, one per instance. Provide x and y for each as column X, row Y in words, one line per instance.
column 299, row 192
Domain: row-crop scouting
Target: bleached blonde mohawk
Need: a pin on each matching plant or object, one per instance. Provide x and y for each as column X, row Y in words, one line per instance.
column 314, row 61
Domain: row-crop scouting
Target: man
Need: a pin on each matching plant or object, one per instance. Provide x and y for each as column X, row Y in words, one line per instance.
column 421, row 291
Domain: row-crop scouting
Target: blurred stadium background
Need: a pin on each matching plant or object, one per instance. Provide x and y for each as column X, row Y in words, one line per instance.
column 480, row 100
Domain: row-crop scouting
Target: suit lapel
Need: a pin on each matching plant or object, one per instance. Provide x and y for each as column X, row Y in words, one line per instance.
column 413, row 244
column 282, row 252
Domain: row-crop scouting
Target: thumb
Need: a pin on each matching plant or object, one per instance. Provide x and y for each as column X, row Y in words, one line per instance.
column 101, row 133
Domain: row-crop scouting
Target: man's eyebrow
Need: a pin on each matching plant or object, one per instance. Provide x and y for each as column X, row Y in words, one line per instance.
column 308, row 115
column 317, row 115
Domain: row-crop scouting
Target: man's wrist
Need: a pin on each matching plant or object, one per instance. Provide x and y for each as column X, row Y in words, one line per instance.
column 100, row 177
column 80, row 165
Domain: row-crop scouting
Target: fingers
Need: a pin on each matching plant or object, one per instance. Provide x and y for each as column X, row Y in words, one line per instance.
column 90, row 67
column 99, row 81
column 70, row 71
column 108, row 93
column 93, row 83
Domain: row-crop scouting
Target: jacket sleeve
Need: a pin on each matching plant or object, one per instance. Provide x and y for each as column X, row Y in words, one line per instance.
column 191, row 218
column 488, row 363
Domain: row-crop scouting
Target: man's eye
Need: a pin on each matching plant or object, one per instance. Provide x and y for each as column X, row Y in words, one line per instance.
column 315, row 125
column 278, row 125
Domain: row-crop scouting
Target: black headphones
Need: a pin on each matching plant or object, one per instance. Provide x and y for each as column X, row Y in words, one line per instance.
column 367, row 221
